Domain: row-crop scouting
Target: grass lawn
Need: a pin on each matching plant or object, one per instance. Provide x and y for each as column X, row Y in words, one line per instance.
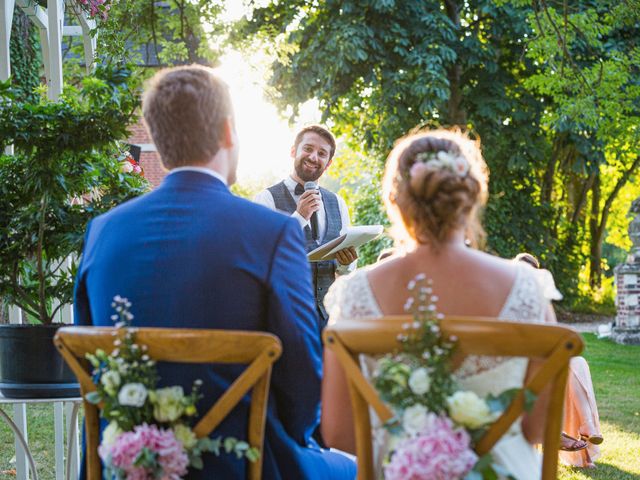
column 616, row 376
column 615, row 370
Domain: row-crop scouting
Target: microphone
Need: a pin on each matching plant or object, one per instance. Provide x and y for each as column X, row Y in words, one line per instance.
column 314, row 215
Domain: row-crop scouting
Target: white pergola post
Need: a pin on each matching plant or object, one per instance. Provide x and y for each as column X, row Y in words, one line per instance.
column 55, row 14
column 90, row 42
column 6, row 17
column 20, row 415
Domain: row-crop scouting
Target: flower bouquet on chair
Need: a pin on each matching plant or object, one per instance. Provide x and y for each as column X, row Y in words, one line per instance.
column 435, row 425
column 149, row 434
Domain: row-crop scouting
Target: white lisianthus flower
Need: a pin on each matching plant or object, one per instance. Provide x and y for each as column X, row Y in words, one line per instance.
column 460, row 165
column 132, row 395
column 416, row 419
column 168, row 405
column 419, row 381
column 110, row 434
column 185, row 436
column 469, row 410
column 111, row 381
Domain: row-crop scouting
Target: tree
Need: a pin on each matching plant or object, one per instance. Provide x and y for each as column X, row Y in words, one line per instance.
column 590, row 57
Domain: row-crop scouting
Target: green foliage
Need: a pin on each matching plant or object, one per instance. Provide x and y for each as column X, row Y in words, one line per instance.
column 370, row 64
column 64, row 172
column 25, row 56
column 151, row 33
column 360, row 179
column 369, row 211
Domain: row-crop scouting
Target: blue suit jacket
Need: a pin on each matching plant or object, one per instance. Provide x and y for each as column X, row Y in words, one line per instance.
column 190, row 254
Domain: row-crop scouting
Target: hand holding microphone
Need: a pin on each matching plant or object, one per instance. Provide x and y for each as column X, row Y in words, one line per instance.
column 309, row 204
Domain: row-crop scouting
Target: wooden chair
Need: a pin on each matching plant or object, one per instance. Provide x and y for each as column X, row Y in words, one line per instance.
column 258, row 350
column 552, row 344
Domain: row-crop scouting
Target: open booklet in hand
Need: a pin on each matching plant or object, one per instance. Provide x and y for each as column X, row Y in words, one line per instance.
column 352, row 237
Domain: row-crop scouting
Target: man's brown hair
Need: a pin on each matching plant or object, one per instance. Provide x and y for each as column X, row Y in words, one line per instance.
column 185, row 109
column 320, row 130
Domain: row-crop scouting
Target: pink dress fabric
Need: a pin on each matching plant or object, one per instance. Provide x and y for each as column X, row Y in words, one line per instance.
column 580, row 413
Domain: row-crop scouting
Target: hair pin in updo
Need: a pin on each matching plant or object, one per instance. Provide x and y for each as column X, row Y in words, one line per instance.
column 441, row 160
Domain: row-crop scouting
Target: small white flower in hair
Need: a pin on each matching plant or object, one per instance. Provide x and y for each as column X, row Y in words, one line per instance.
column 441, row 160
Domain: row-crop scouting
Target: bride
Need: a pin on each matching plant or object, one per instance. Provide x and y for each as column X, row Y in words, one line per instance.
column 434, row 185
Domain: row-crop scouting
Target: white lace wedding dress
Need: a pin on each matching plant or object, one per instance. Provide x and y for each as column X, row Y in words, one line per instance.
column 351, row 298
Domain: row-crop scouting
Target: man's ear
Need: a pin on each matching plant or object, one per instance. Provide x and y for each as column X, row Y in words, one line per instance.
column 293, row 151
column 227, row 138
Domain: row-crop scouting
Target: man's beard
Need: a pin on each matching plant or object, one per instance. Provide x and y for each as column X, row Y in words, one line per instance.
column 306, row 176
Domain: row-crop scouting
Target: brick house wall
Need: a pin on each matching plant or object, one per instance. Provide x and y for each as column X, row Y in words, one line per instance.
column 149, row 158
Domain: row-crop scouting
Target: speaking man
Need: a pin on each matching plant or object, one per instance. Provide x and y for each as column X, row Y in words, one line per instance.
column 322, row 214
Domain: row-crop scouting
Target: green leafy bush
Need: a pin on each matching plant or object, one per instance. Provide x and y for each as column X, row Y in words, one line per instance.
column 64, row 171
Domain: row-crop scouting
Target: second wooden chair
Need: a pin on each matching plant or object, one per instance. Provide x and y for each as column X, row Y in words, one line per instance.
column 554, row 345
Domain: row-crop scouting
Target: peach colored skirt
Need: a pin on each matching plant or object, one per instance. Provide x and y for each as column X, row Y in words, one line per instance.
column 580, row 412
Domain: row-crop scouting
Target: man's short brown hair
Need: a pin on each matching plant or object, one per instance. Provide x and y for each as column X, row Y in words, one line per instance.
column 320, row 130
column 185, row 109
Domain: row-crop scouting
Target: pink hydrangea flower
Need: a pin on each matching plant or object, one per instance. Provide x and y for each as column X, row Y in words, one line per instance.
column 171, row 456
column 441, row 452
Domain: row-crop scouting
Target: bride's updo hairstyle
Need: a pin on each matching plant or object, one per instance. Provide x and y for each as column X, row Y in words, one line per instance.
column 435, row 182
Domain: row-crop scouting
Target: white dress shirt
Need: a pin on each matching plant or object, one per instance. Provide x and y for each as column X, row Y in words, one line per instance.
column 265, row 198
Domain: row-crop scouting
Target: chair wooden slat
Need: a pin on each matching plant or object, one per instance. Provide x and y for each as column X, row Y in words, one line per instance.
column 180, row 345
column 551, row 344
column 258, row 350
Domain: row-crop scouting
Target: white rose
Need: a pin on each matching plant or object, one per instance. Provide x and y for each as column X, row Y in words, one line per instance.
column 132, row 395
column 469, row 410
column 111, row 381
column 126, row 167
column 419, row 381
column 185, row 436
column 416, row 419
column 110, row 434
column 167, row 403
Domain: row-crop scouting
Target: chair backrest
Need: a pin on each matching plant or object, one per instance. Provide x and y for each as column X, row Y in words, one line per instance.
column 257, row 350
column 552, row 344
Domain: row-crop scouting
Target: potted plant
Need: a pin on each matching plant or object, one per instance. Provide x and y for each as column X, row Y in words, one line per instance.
column 66, row 168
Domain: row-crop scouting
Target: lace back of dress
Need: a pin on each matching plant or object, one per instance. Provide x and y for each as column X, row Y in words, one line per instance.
column 525, row 304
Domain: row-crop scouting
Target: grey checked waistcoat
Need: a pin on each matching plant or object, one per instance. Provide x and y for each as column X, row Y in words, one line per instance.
column 323, row 273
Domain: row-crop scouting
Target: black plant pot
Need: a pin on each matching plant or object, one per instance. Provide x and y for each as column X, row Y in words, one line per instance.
column 30, row 365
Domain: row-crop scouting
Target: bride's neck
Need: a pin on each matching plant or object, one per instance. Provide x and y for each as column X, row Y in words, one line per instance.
column 455, row 243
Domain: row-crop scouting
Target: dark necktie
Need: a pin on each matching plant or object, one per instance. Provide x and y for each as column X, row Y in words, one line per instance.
column 299, row 189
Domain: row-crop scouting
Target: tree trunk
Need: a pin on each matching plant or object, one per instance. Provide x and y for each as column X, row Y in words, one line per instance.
column 581, row 200
column 596, row 233
column 547, row 182
column 598, row 224
column 455, row 112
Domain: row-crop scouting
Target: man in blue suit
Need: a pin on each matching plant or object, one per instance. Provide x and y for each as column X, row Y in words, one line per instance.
column 190, row 254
